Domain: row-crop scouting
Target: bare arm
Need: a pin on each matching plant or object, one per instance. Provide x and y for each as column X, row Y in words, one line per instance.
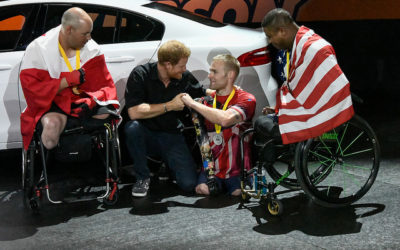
column 63, row 85
column 146, row 111
column 225, row 118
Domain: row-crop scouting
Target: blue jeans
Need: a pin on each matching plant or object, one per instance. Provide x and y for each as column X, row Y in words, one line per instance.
column 172, row 148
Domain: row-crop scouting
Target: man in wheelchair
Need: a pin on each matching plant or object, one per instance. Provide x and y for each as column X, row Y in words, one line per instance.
column 315, row 95
column 227, row 113
column 64, row 74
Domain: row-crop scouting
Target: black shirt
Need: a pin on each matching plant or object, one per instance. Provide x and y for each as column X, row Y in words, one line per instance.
column 144, row 86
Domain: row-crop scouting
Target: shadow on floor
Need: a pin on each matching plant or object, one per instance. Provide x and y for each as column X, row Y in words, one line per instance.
column 301, row 214
column 154, row 204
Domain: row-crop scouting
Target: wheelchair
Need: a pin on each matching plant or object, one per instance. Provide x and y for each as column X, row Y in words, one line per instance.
column 334, row 169
column 97, row 136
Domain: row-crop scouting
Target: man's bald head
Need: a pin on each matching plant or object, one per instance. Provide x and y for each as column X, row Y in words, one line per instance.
column 76, row 28
column 74, row 17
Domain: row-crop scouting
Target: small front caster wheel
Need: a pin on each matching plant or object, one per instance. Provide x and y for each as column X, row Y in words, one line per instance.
column 275, row 207
column 111, row 199
column 33, row 205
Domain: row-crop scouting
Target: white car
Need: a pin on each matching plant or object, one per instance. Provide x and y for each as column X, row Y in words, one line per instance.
column 129, row 32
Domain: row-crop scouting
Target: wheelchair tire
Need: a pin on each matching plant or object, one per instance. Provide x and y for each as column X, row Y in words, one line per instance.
column 339, row 167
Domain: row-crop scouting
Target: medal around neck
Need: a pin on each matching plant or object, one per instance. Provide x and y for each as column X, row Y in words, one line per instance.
column 75, row 89
column 217, row 139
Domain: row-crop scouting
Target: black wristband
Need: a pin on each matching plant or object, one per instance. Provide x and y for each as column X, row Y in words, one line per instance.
column 82, row 77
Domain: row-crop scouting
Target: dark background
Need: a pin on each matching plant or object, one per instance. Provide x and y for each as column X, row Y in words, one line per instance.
column 367, row 52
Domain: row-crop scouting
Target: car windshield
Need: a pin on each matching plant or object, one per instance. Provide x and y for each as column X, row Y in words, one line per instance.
column 185, row 14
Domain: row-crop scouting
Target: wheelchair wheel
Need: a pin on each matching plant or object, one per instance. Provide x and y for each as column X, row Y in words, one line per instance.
column 111, row 199
column 339, row 167
column 284, row 166
column 30, row 199
column 275, row 207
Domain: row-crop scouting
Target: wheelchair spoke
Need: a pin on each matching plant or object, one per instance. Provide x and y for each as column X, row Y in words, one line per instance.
column 352, row 142
column 330, row 167
column 351, row 177
column 320, row 156
column 341, row 139
column 325, row 146
column 356, row 167
column 359, row 152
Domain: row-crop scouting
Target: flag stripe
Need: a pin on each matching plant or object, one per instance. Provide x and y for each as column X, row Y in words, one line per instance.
column 329, row 86
column 305, row 115
column 318, row 130
column 315, row 70
column 317, row 96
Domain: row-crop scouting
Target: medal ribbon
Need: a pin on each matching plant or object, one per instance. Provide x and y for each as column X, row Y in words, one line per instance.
column 218, row 127
column 78, row 60
column 75, row 89
column 287, row 65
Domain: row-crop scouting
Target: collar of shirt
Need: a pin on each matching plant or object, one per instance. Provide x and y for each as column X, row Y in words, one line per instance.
column 154, row 74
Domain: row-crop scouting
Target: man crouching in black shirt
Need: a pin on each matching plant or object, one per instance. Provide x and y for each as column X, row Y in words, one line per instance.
column 153, row 99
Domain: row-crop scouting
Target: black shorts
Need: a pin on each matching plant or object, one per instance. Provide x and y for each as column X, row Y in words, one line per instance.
column 71, row 121
column 54, row 108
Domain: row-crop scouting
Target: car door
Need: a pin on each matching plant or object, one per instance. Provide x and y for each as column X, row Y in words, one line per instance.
column 16, row 24
column 137, row 39
column 126, row 38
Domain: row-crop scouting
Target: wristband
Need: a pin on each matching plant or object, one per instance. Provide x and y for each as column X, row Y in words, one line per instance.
column 165, row 108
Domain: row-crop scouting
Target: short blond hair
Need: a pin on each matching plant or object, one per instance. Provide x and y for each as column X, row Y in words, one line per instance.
column 230, row 63
column 172, row 51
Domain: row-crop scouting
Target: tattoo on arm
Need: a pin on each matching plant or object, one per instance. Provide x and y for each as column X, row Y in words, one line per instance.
column 236, row 114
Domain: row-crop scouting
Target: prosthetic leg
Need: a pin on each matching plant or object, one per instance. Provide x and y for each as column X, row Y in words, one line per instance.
column 206, row 155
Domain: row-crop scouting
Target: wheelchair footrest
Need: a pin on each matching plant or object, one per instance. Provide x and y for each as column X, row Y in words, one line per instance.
column 86, row 193
column 72, row 199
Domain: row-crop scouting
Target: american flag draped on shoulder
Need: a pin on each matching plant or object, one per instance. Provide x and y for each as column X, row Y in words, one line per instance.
column 317, row 96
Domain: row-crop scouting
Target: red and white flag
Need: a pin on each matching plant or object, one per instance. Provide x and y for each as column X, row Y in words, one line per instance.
column 317, row 97
column 43, row 68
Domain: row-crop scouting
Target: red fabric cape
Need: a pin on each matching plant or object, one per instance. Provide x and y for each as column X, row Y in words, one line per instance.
column 40, row 91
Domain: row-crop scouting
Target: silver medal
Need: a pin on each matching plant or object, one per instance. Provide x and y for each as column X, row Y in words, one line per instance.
column 217, row 139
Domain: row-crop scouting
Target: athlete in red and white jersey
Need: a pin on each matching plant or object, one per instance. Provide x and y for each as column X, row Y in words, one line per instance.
column 229, row 113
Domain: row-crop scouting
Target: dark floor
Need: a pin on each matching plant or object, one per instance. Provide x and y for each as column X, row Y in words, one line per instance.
column 167, row 219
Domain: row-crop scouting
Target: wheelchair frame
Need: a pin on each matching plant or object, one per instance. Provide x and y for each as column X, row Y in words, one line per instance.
column 350, row 151
column 106, row 138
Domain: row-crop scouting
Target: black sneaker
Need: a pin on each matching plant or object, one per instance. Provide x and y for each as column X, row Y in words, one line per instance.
column 140, row 188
